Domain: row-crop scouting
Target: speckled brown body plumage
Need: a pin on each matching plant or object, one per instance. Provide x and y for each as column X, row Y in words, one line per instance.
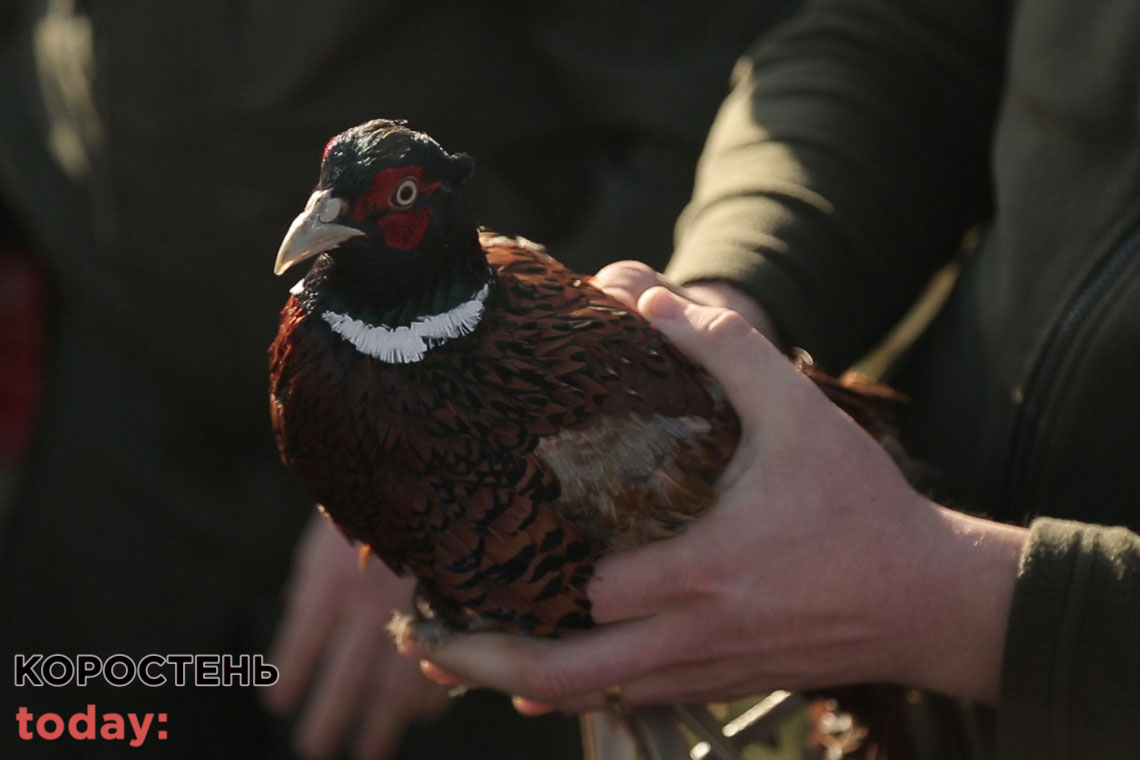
column 500, row 466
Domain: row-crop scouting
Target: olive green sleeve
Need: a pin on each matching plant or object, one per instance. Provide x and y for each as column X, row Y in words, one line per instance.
column 846, row 164
column 1071, row 672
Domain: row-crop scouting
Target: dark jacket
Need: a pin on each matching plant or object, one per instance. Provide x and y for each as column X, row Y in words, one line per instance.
column 155, row 153
column 860, row 144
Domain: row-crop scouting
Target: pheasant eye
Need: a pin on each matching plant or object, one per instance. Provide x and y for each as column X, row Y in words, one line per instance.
column 405, row 193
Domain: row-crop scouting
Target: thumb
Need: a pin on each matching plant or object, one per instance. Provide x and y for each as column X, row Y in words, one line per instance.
column 627, row 280
column 726, row 345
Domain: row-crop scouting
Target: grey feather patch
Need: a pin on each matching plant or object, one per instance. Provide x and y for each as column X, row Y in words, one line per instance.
column 613, row 471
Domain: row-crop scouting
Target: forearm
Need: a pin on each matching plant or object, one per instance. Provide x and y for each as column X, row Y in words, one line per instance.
column 842, row 170
column 1042, row 622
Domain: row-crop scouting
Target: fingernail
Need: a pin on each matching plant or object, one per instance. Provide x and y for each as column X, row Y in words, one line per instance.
column 437, row 674
column 531, row 709
column 410, row 649
column 660, row 304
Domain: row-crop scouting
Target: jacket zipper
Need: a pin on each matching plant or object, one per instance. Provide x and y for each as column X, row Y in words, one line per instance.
column 1028, row 421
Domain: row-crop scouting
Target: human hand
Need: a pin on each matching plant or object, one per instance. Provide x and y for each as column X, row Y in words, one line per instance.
column 625, row 280
column 334, row 637
column 819, row 566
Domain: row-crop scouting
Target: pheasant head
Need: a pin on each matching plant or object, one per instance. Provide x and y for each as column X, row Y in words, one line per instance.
column 399, row 266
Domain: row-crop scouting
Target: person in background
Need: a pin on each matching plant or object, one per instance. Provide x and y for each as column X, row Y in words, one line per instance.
column 152, row 154
column 862, row 143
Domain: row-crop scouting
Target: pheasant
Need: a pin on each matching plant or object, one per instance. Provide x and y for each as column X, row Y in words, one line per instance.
column 467, row 408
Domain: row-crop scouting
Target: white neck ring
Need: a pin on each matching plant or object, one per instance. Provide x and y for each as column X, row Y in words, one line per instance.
column 407, row 344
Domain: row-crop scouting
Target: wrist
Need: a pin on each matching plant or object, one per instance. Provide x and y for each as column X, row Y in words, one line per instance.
column 956, row 604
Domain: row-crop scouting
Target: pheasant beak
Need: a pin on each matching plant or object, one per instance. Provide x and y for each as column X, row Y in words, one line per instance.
column 313, row 231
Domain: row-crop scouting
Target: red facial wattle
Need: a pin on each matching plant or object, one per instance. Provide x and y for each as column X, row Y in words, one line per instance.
column 403, row 231
column 403, row 227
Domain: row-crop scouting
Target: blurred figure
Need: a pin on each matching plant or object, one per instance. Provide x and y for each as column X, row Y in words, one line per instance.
column 22, row 338
column 147, row 147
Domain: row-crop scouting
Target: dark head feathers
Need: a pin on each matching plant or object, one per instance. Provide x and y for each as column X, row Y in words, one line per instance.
column 354, row 156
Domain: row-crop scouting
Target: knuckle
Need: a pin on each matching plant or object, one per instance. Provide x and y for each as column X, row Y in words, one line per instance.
column 547, row 683
column 681, row 641
column 727, row 328
column 548, row 688
column 700, row 581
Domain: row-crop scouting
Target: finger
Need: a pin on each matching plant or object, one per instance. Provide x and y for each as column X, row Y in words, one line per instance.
column 530, row 708
column 384, row 717
column 727, row 346
column 379, row 733
column 638, row 584
column 400, row 694
column 690, row 682
column 336, row 698
column 720, row 293
column 627, row 280
column 322, row 559
column 300, row 639
column 438, row 675
column 570, row 673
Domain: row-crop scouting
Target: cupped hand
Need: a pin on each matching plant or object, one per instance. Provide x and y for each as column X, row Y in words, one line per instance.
column 819, row 565
column 333, row 646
